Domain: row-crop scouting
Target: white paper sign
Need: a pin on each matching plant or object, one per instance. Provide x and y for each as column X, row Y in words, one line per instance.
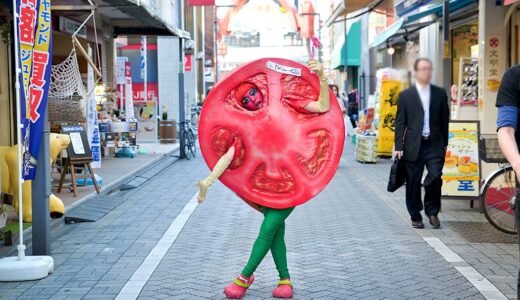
column 120, row 69
column 284, row 69
column 77, row 143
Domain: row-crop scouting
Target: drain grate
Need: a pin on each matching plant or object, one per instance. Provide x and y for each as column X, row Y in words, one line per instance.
column 93, row 209
column 149, row 173
column 100, row 205
column 481, row 232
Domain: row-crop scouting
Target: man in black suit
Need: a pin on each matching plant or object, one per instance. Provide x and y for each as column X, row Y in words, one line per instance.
column 421, row 138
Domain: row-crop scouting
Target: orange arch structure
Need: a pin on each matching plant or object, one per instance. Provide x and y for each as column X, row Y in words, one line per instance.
column 305, row 22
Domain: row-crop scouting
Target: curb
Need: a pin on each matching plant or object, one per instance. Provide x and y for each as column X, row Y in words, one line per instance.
column 56, row 224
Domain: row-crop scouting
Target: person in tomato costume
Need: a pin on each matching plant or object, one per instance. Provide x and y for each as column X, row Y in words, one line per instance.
column 271, row 133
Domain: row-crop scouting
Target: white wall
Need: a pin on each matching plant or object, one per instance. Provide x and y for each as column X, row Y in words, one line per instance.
column 168, row 72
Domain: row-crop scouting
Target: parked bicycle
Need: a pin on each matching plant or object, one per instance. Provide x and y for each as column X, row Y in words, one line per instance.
column 499, row 189
column 190, row 142
column 195, row 115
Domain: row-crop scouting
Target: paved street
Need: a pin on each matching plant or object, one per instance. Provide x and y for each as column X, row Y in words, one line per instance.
column 353, row 241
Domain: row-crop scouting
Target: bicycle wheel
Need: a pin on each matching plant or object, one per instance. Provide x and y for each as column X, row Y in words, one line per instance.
column 187, row 151
column 193, row 143
column 499, row 195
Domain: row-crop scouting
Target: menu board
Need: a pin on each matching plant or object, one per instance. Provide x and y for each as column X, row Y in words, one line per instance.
column 461, row 172
column 79, row 148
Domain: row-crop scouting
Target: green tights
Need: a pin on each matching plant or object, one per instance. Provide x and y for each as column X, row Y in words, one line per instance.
column 271, row 236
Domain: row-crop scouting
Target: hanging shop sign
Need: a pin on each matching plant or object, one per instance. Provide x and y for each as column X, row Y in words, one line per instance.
column 404, row 7
column 388, row 109
column 70, row 26
column 201, row 2
column 33, row 21
column 461, row 173
column 187, row 63
column 493, row 73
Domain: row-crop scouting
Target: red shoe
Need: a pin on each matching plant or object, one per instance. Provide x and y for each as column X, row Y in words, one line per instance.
column 238, row 288
column 284, row 289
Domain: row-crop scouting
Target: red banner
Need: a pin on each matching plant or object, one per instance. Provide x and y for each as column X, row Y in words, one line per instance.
column 201, row 2
column 187, row 63
column 507, row 2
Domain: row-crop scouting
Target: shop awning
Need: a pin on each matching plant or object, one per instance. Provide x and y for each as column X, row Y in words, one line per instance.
column 387, row 33
column 411, row 20
column 343, row 8
column 147, row 13
column 353, row 50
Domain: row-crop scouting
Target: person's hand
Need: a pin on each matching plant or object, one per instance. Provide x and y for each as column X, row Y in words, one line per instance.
column 203, row 189
column 315, row 67
column 399, row 154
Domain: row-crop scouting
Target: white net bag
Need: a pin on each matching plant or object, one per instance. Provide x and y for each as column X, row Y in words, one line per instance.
column 67, row 93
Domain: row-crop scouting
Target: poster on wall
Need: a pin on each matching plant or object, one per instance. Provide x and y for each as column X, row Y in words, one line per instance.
column 33, row 25
column 388, row 109
column 461, row 173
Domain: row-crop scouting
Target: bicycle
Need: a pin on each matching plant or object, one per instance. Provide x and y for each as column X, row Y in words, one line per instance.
column 195, row 115
column 190, row 146
column 499, row 189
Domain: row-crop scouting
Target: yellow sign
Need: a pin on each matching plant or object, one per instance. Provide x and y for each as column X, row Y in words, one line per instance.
column 493, row 70
column 447, row 52
column 461, row 171
column 388, row 109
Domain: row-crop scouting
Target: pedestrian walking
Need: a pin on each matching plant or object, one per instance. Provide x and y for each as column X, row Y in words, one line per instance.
column 421, row 138
column 508, row 102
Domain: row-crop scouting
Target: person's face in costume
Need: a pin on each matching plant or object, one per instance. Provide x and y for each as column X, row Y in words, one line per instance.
column 252, row 99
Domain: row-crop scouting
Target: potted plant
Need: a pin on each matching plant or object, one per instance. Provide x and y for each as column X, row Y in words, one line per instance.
column 3, row 215
column 4, row 233
column 167, row 130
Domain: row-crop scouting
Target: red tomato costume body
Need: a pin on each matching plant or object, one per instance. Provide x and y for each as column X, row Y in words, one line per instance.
column 284, row 155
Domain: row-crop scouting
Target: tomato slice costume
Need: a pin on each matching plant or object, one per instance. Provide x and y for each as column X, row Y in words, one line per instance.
column 266, row 140
column 288, row 155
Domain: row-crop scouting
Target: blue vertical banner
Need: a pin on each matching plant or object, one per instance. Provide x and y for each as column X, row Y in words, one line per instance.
column 33, row 23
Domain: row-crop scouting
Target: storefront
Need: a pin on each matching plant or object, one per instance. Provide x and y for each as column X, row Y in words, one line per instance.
column 464, row 91
column 348, row 53
column 6, row 104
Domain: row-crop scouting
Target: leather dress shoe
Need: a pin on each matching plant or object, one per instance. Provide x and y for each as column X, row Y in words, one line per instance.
column 418, row 224
column 434, row 221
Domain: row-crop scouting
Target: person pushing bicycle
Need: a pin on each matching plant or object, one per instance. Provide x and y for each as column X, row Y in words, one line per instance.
column 508, row 103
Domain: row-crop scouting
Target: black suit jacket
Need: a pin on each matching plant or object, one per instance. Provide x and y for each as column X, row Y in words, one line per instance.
column 410, row 118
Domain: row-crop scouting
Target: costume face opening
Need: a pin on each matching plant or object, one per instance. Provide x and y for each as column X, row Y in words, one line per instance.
column 250, row 96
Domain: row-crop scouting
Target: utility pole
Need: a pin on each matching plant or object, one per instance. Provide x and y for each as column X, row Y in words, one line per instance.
column 345, row 53
column 447, row 58
column 215, row 36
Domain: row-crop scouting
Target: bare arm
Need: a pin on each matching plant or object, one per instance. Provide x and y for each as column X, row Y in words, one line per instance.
column 323, row 103
column 507, row 141
column 221, row 166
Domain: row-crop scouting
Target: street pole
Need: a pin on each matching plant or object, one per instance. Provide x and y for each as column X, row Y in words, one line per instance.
column 447, row 59
column 345, row 64
column 215, row 44
column 182, row 110
column 41, row 190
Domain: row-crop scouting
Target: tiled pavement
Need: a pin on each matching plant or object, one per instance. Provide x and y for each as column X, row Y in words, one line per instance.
column 498, row 262
column 346, row 244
